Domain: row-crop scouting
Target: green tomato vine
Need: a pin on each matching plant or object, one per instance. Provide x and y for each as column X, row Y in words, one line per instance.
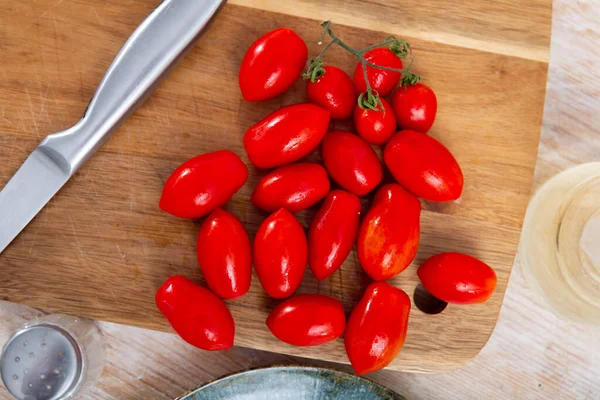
column 369, row 99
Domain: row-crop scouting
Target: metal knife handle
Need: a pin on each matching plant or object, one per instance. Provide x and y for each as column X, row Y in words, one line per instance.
column 154, row 47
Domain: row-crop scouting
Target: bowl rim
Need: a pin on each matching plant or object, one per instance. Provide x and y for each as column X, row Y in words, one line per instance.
column 393, row 395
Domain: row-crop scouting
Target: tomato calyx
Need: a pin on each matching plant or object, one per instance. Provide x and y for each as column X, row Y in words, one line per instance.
column 409, row 78
column 370, row 100
column 401, row 48
column 315, row 70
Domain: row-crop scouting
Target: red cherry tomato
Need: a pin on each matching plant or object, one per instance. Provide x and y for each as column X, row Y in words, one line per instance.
column 333, row 232
column 307, row 320
column 351, row 162
column 375, row 127
column 272, row 64
column 381, row 81
column 388, row 237
column 333, row 91
column 196, row 314
column 424, row 166
column 294, row 187
column 457, row 278
column 377, row 328
column 286, row 135
column 202, row 184
column 280, row 254
column 415, row 107
column 224, row 254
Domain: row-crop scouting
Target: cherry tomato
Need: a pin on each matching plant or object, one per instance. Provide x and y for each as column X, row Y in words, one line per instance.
column 375, row 127
column 415, row 107
column 377, row 328
column 351, row 162
column 272, row 64
column 457, row 278
column 202, row 184
column 388, row 237
column 424, row 166
column 294, row 187
column 307, row 320
column 224, row 254
column 196, row 314
column 381, row 81
column 333, row 233
column 286, row 135
column 333, row 91
column 280, row 254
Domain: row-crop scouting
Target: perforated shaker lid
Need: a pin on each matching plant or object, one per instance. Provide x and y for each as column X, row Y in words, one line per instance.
column 42, row 362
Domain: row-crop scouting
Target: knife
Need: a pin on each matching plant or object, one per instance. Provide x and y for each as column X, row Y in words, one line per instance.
column 147, row 56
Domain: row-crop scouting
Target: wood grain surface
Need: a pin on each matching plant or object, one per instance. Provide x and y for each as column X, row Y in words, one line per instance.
column 102, row 247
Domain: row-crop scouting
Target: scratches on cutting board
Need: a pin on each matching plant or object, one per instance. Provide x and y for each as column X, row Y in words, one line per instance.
column 100, row 21
column 82, row 255
column 161, row 117
column 35, row 231
column 43, row 101
column 121, row 254
column 91, row 183
column 131, row 183
column 20, row 124
column 33, row 118
column 112, row 292
column 3, row 117
column 191, row 85
column 96, row 225
column 130, row 168
column 56, row 50
column 46, row 12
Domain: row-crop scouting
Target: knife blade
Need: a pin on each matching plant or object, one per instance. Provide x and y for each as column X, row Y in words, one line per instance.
column 147, row 56
column 34, row 184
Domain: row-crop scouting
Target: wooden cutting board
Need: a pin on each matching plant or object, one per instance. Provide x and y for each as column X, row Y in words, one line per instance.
column 102, row 247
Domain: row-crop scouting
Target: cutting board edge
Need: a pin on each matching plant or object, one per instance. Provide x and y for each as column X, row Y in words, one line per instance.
column 539, row 54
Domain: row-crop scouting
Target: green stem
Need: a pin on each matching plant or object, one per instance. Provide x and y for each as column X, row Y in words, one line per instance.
column 364, row 68
column 322, row 53
column 359, row 53
column 375, row 46
column 401, row 70
column 370, row 99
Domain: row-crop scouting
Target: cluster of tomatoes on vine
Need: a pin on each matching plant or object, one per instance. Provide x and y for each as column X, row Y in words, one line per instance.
column 387, row 236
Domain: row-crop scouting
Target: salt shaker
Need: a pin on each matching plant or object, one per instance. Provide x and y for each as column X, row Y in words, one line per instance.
column 51, row 358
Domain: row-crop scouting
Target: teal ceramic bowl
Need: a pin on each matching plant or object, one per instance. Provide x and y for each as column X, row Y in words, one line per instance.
column 291, row 383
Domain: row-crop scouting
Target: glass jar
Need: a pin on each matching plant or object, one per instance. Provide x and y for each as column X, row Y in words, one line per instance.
column 560, row 243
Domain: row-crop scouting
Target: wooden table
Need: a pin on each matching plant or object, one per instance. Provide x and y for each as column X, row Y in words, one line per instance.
column 532, row 354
